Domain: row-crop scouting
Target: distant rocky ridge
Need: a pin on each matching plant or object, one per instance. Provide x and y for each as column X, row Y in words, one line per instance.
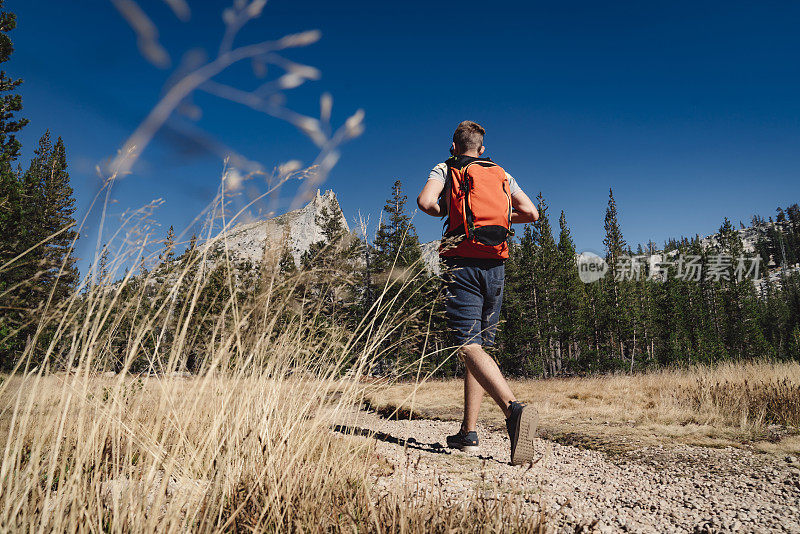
column 748, row 235
column 297, row 228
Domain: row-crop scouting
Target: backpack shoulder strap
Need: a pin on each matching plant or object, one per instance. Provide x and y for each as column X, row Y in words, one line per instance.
column 484, row 162
column 443, row 197
column 448, row 165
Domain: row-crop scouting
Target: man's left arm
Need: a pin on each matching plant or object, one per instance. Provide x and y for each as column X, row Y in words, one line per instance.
column 524, row 210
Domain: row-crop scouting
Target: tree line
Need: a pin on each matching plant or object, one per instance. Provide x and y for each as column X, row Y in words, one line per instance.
column 37, row 227
column 555, row 324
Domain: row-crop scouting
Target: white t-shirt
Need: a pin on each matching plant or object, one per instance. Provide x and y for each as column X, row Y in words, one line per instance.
column 439, row 173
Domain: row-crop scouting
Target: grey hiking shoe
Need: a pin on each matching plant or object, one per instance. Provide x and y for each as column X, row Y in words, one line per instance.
column 521, row 425
column 465, row 441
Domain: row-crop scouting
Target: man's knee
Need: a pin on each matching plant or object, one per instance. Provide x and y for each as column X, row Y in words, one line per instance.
column 470, row 352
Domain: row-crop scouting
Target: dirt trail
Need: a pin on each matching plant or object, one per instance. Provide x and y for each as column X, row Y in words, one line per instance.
column 654, row 489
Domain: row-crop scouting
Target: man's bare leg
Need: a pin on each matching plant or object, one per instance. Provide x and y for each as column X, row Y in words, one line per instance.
column 484, row 369
column 473, row 395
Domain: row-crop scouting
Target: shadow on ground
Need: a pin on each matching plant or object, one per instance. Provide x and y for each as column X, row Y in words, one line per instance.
column 411, row 443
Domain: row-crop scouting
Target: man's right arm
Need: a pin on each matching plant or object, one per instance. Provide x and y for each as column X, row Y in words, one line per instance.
column 428, row 199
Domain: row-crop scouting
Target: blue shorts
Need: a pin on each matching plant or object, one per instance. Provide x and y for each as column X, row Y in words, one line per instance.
column 473, row 296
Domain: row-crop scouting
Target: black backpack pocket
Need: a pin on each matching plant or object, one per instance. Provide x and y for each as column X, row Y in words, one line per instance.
column 490, row 235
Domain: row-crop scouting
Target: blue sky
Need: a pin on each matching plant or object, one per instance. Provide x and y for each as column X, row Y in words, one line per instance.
column 688, row 110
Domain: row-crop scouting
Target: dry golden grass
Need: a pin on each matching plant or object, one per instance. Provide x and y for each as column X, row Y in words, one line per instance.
column 165, row 454
column 739, row 404
column 207, row 454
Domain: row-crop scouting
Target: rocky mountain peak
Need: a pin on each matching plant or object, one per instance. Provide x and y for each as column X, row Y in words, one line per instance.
column 298, row 228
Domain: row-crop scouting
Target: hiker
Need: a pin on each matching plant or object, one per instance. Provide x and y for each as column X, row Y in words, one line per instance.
column 480, row 201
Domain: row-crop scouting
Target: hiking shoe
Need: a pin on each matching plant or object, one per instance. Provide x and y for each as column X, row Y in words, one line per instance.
column 465, row 441
column 521, row 425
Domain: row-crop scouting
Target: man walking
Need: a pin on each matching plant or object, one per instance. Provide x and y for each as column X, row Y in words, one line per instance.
column 481, row 201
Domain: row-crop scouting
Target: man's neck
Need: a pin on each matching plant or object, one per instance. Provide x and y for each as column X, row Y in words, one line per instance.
column 470, row 153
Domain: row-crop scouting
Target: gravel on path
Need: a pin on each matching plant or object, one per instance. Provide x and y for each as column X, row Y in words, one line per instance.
column 655, row 489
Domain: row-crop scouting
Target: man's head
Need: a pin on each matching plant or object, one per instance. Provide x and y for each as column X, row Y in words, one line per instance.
column 468, row 139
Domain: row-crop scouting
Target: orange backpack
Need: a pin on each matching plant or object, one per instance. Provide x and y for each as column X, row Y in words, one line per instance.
column 479, row 215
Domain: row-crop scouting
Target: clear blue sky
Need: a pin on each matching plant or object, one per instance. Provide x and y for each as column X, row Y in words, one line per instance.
column 689, row 110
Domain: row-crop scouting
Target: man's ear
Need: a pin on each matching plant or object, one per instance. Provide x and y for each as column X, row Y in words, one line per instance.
column 480, row 150
column 453, row 148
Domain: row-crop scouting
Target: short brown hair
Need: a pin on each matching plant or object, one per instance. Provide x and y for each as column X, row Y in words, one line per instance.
column 468, row 136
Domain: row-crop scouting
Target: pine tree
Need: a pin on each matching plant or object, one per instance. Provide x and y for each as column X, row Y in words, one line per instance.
column 26, row 277
column 32, row 201
column 194, row 275
column 10, row 104
column 286, row 264
column 102, row 269
column 615, row 311
column 511, row 339
column 546, row 291
column 213, row 300
column 396, row 242
column 774, row 316
column 44, row 273
column 10, row 196
column 330, row 269
column 398, row 268
column 613, row 241
column 592, row 319
column 192, row 246
column 331, row 225
column 507, row 335
column 791, row 295
column 59, row 224
column 520, row 334
column 743, row 334
column 336, row 251
column 47, row 210
column 367, row 287
column 710, row 345
column 168, row 253
column 639, row 293
column 570, row 294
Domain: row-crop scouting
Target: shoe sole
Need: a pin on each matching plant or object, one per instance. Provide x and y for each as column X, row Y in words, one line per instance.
column 526, row 432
